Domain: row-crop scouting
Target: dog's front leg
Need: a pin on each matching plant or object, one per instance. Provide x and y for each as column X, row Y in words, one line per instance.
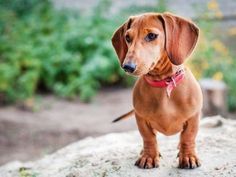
column 149, row 157
column 187, row 155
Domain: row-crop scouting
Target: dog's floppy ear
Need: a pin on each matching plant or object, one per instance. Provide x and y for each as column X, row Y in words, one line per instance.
column 118, row 40
column 180, row 37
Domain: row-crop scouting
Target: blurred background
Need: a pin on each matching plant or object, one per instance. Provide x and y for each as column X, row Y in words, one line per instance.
column 60, row 79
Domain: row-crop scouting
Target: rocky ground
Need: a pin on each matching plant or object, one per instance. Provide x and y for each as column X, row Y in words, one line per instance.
column 113, row 155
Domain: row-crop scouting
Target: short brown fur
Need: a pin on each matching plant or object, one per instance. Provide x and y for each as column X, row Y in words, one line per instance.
column 161, row 58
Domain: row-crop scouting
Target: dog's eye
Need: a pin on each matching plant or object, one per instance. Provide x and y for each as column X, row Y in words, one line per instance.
column 127, row 38
column 151, row 37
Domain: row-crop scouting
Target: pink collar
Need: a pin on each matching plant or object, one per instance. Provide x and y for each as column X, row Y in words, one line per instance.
column 169, row 82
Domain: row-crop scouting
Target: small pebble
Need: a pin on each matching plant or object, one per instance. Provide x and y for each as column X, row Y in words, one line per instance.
column 70, row 175
column 114, row 163
column 94, row 164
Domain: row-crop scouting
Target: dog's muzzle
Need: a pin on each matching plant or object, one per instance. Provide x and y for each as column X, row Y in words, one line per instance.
column 129, row 67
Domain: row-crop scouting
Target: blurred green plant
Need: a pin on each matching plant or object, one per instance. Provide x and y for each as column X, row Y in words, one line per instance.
column 25, row 172
column 212, row 59
column 58, row 51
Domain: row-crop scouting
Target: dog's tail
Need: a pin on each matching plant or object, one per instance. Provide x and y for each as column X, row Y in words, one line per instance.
column 124, row 116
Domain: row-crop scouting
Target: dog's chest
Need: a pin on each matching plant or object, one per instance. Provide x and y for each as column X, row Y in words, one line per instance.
column 163, row 113
column 164, row 118
column 154, row 103
column 146, row 104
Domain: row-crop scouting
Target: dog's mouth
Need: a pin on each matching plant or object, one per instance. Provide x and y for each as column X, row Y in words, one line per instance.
column 146, row 69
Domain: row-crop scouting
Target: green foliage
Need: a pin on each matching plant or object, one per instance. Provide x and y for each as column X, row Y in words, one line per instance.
column 159, row 6
column 58, row 51
column 23, row 7
column 212, row 59
column 26, row 172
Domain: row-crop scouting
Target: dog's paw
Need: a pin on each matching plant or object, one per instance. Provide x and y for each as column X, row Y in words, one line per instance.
column 147, row 161
column 188, row 161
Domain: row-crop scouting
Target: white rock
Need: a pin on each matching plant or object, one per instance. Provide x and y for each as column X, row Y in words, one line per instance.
column 113, row 155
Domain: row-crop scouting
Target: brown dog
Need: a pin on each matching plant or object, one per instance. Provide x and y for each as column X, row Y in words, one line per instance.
column 166, row 97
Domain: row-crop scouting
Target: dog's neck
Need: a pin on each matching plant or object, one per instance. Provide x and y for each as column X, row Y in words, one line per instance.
column 163, row 69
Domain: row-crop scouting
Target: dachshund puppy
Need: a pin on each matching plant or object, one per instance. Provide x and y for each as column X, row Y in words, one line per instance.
column 166, row 97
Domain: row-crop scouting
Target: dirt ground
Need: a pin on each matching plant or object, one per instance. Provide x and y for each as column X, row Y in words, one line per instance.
column 28, row 135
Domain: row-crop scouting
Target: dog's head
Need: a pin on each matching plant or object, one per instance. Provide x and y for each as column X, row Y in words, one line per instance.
column 143, row 39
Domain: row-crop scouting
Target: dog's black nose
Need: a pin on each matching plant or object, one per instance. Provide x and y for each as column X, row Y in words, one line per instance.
column 129, row 67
